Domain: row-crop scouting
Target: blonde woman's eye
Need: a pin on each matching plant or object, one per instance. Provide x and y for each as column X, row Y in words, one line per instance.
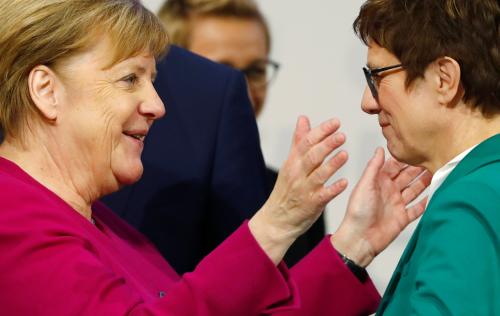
column 130, row 79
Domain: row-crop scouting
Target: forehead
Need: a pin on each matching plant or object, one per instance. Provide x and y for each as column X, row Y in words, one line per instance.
column 378, row 56
column 99, row 57
column 228, row 39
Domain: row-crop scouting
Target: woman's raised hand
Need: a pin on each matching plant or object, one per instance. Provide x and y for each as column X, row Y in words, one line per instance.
column 380, row 207
column 300, row 194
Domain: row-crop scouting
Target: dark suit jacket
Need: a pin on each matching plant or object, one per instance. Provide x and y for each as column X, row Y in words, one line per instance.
column 203, row 167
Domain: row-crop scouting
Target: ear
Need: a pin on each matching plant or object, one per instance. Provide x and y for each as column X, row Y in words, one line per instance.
column 42, row 86
column 448, row 80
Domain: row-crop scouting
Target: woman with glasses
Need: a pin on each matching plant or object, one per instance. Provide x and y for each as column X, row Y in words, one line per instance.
column 433, row 80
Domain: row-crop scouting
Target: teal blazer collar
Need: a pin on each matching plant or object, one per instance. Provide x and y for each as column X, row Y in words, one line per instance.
column 485, row 153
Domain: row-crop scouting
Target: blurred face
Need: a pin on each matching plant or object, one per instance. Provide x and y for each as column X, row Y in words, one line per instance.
column 409, row 118
column 107, row 114
column 239, row 43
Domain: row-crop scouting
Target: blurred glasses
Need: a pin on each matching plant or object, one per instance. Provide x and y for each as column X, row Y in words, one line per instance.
column 373, row 76
column 261, row 73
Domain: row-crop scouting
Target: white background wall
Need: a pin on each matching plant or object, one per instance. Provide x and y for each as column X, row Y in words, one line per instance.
column 321, row 77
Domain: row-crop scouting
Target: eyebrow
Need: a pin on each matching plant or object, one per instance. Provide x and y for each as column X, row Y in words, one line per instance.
column 141, row 70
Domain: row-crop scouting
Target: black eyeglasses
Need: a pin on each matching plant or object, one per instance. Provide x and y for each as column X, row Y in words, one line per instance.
column 261, row 73
column 370, row 74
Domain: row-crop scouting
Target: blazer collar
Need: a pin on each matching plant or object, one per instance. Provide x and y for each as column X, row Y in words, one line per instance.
column 486, row 152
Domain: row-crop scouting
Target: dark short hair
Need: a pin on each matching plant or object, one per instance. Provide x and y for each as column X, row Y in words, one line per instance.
column 418, row 32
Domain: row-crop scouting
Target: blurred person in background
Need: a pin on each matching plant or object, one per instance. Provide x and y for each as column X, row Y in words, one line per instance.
column 433, row 80
column 234, row 33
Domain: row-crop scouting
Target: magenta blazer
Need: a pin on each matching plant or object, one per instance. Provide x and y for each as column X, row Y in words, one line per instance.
column 55, row 262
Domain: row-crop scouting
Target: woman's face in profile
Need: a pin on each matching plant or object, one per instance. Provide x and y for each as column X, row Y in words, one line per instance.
column 107, row 113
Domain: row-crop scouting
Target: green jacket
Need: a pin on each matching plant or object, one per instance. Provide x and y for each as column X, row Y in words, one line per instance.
column 451, row 266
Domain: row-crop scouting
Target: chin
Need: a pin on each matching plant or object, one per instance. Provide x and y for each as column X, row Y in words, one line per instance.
column 129, row 175
column 402, row 154
column 397, row 152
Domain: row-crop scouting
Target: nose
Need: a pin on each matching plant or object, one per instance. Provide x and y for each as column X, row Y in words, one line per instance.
column 369, row 104
column 152, row 107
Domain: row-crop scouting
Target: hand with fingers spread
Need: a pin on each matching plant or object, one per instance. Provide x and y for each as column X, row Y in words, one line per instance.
column 300, row 194
column 378, row 208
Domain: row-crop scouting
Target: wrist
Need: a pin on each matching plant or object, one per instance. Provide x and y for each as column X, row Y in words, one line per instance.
column 358, row 250
column 273, row 240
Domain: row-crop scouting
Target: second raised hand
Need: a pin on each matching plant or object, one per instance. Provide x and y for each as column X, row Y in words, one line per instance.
column 300, row 194
column 378, row 208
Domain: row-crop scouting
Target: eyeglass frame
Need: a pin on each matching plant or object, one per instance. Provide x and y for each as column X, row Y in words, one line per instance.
column 370, row 73
column 276, row 67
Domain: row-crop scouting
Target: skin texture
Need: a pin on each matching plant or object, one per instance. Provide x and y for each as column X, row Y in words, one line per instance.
column 110, row 105
column 81, row 146
column 428, row 123
column 300, row 193
column 378, row 207
column 236, row 42
column 403, row 114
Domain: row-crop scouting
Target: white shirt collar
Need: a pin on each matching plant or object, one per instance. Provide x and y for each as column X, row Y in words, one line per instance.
column 443, row 172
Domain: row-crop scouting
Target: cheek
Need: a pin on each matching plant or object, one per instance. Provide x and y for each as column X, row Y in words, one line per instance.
column 110, row 128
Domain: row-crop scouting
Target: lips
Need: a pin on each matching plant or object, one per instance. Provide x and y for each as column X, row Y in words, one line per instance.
column 139, row 135
column 383, row 122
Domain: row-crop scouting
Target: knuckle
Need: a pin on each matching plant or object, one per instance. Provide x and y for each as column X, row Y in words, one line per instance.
column 312, row 158
column 319, row 177
column 322, row 196
column 309, row 141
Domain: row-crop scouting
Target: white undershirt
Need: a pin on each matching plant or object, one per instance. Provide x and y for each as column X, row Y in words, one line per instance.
column 443, row 172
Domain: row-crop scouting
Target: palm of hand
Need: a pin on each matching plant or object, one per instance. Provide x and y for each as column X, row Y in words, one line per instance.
column 300, row 194
column 378, row 207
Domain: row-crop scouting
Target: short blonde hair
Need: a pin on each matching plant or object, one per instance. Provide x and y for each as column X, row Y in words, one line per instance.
column 176, row 15
column 45, row 32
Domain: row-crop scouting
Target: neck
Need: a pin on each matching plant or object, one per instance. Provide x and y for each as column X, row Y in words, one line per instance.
column 53, row 171
column 463, row 130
